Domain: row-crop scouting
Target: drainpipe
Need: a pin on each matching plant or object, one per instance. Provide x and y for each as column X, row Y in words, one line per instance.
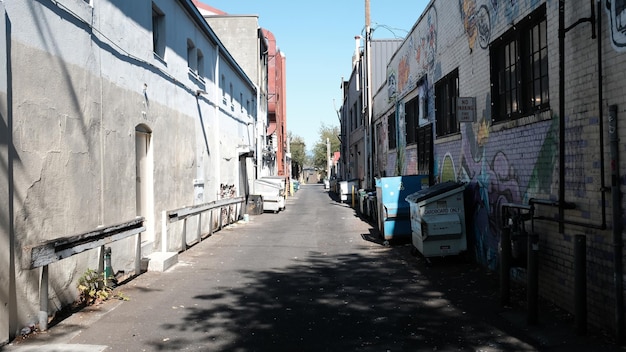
column 561, row 113
column 617, row 224
column 596, row 20
column 603, row 188
column 368, row 87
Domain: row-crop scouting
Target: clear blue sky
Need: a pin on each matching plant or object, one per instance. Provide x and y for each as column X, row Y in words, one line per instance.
column 317, row 38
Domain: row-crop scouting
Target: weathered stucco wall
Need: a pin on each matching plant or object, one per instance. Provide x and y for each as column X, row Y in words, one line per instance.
column 69, row 142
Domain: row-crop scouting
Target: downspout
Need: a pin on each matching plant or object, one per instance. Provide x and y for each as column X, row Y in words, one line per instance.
column 561, row 113
column 617, row 225
column 562, row 204
column 603, row 188
column 614, row 153
column 369, row 170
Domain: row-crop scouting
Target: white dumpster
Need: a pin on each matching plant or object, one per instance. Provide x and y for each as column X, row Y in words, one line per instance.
column 271, row 193
column 438, row 220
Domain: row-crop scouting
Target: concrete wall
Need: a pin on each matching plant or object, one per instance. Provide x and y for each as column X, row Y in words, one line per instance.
column 517, row 160
column 71, row 115
column 241, row 36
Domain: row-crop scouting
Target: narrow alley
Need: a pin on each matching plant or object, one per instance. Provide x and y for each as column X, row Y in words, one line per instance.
column 314, row 277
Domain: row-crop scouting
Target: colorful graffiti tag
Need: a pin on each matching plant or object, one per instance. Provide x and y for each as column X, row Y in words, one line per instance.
column 617, row 15
column 477, row 23
column 417, row 59
column 496, row 174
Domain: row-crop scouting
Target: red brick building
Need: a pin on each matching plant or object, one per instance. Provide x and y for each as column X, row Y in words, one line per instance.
column 277, row 105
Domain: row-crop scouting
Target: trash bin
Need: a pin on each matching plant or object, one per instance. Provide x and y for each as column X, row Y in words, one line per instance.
column 272, row 195
column 346, row 189
column 255, row 204
column 438, row 220
column 393, row 210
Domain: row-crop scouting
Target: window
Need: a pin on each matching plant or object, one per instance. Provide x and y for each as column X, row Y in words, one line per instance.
column 446, row 92
column 411, row 120
column 360, row 110
column 223, row 87
column 355, row 116
column 425, row 149
column 200, row 62
column 158, row 31
column 192, row 59
column 519, row 64
column 391, row 130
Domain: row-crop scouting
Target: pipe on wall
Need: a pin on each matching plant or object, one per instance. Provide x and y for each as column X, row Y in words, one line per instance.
column 617, row 225
column 595, row 19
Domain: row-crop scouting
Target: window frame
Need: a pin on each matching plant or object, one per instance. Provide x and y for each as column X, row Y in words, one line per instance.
column 411, row 120
column 392, row 142
column 192, row 59
column 158, row 31
column 446, row 92
column 520, row 87
column 200, row 63
column 425, row 147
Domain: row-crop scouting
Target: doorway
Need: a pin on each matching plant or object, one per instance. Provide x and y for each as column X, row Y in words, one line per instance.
column 144, row 184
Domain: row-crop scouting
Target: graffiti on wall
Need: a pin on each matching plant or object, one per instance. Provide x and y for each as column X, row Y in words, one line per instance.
column 494, row 170
column 417, row 58
column 497, row 172
column 617, row 16
column 476, row 22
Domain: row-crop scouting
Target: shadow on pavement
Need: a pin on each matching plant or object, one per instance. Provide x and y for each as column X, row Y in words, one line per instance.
column 355, row 303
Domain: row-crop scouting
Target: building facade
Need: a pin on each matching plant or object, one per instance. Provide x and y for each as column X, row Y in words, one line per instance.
column 277, row 147
column 257, row 51
column 246, row 41
column 356, row 138
column 143, row 111
column 520, row 101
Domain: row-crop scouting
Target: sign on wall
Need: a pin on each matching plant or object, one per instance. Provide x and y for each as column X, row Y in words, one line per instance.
column 466, row 109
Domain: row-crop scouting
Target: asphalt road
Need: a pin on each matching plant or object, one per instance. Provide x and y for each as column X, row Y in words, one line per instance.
column 311, row 278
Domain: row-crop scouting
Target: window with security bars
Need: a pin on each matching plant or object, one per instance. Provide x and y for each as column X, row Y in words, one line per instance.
column 425, row 149
column 446, row 92
column 519, row 66
column 411, row 120
column 391, row 130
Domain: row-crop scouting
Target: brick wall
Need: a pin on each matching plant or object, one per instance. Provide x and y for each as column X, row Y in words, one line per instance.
column 517, row 160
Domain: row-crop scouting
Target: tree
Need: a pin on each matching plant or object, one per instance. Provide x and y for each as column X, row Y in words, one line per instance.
column 298, row 155
column 331, row 133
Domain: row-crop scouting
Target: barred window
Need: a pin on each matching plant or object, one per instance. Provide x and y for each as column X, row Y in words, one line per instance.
column 411, row 120
column 446, row 92
column 519, row 66
column 391, row 130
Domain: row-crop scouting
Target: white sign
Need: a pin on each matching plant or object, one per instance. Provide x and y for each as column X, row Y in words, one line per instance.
column 466, row 109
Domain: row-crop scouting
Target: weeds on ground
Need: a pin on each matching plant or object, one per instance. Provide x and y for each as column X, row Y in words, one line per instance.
column 92, row 288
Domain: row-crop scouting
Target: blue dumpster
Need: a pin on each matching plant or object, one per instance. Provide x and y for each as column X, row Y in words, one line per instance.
column 394, row 219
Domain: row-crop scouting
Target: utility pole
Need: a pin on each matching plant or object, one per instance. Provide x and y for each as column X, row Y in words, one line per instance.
column 368, row 97
column 328, row 162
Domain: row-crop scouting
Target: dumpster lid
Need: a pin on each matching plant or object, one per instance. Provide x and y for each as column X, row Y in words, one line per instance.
column 432, row 191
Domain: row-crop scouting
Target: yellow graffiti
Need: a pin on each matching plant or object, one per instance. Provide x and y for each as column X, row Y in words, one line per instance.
column 483, row 133
column 469, row 20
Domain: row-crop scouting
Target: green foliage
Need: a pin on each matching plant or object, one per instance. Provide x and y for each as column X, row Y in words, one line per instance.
column 331, row 133
column 298, row 154
column 92, row 288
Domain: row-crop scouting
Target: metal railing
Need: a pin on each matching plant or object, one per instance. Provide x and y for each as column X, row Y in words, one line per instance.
column 230, row 211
